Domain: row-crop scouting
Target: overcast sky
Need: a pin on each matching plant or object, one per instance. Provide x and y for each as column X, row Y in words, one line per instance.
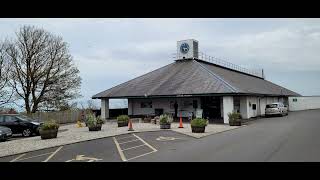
column 111, row 51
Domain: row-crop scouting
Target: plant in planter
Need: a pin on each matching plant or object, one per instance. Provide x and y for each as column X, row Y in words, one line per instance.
column 234, row 119
column 94, row 123
column 49, row 129
column 123, row 120
column 198, row 125
column 165, row 121
column 147, row 119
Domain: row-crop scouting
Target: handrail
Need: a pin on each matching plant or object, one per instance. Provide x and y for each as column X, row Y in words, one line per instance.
column 202, row 56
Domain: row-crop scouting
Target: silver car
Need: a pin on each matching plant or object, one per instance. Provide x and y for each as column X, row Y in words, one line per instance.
column 276, row 109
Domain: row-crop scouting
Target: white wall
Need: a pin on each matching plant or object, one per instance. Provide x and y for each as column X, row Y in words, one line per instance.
column 104, row 108
column 184, row 106
column 246, row 110
column 227, row 108
column 304, row 103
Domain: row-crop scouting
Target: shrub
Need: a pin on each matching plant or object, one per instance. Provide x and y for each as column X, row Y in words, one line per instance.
column 92, row 120
column 199, row 122
column 165, row 119
column 123, row 118
column 49, row 125
column 234, row 116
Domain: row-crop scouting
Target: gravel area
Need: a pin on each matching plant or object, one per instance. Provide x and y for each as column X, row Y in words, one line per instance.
column 69, row 134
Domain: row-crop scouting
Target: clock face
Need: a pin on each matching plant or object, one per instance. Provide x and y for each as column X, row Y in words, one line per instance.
column 184, row 48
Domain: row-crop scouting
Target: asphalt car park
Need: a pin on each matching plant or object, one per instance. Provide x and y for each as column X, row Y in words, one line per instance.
column 120, row 148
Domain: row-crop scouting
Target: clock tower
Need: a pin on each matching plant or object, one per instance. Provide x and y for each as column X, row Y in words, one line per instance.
column 188, row 48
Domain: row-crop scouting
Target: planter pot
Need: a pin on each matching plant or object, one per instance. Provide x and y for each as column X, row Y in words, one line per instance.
column 165, row 126
column 48, row 134
column 235, row 123
column 95, row 128
column 122, row 124
column 196, row 129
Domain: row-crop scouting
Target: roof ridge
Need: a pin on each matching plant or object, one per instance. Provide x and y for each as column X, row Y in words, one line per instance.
column 233, row 89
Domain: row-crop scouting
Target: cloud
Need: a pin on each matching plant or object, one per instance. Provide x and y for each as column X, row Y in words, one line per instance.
column 111, row 51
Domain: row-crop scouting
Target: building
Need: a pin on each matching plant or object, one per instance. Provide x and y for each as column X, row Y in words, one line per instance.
column 198, row 85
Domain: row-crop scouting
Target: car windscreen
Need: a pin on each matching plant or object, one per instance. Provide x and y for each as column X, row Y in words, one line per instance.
column 25, row 118
column 271, row 106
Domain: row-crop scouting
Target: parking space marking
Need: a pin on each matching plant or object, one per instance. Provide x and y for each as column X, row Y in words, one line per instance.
column 15, row 159
column 35, row 156
column 83, row 158
column 54, row 153
column 141, row 155
column 119, row 149
column 133, row 147
column 145, row 143
column 161, row 138
column 129, row 141
column 124, row 137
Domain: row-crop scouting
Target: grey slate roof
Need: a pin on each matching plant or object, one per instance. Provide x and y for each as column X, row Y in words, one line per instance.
column 193, row 77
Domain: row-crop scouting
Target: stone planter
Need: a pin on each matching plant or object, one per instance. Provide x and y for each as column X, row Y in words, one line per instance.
column 165, row 126
column 196, row 129
column 48, row 134
column 235, row 123
column 122, row 124
column 95, row 128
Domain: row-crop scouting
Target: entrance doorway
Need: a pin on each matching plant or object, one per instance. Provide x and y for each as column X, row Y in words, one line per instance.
column 211, row 106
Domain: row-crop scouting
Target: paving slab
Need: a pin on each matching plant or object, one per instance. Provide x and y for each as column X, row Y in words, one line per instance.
column 210, row 129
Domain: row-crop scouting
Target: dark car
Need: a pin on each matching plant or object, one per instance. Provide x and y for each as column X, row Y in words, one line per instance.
column 5, row 133
column 20, row 124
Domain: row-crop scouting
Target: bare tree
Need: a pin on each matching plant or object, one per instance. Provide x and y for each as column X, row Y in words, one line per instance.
column 91, row 105
column 42, row 71
column 5, row 92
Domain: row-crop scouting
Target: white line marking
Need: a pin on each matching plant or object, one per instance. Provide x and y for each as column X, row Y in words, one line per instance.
column 124, row 137
column 129, row 141
column 119, row 150
column 141, row 155
column 15, row 159
column 54, row 153
column 154, row 149
column 35, row 156
column 133, row 147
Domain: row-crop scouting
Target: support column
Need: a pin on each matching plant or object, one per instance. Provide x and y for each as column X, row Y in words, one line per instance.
column 244, row 107
column 130, row 107
column 227, row 108
column 104, row 108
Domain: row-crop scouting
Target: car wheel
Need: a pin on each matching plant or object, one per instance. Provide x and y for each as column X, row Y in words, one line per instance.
column 26, row 132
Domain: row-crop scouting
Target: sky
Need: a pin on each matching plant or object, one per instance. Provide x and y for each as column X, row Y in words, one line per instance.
column 112, row 51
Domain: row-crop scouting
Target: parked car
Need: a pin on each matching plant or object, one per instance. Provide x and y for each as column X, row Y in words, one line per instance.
column 20, row 124
column 5, row 133
column 276, row 109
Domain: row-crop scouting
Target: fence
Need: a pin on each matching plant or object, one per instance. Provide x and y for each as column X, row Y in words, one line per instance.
column 61, row 117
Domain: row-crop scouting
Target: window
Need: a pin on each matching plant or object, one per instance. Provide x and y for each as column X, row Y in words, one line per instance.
column 271, row 106
column 195, row 104
column 294, row 99
column 254, row 106
column 147, row 104
column 171, row 104
column 10, row 119
column 1, row 118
